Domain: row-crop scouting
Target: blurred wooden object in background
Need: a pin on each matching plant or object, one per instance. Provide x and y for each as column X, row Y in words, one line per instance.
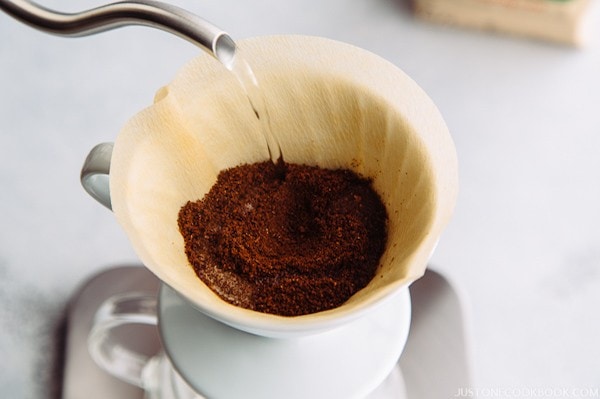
column 561, row 21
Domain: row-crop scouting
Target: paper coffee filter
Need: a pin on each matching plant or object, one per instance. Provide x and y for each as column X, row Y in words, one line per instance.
column 330, row 104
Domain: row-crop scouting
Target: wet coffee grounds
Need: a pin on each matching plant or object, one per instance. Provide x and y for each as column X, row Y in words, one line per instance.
column 290, row 243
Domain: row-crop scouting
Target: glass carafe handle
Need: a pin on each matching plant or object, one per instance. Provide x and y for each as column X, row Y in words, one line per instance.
column 106, row 346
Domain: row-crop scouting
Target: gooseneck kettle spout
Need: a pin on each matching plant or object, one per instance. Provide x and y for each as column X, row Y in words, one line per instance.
column 136, row 12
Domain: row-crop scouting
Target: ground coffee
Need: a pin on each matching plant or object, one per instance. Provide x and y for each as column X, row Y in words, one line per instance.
column 287, row 243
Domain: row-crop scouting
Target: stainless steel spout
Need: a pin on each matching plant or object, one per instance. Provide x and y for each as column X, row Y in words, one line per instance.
column 136, row 12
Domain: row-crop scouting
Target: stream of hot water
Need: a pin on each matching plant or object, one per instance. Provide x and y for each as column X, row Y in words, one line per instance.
column 233, row 59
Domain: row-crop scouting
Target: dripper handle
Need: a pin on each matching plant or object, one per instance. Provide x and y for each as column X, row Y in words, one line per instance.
column 95, row 171
column 150, row 13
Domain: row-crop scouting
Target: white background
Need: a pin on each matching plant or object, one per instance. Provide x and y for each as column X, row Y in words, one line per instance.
column 524, row 245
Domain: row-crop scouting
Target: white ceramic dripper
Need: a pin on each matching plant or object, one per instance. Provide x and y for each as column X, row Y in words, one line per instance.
column 332, row 105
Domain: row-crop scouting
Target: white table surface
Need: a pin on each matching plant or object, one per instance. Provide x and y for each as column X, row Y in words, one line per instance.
column 524, row 244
